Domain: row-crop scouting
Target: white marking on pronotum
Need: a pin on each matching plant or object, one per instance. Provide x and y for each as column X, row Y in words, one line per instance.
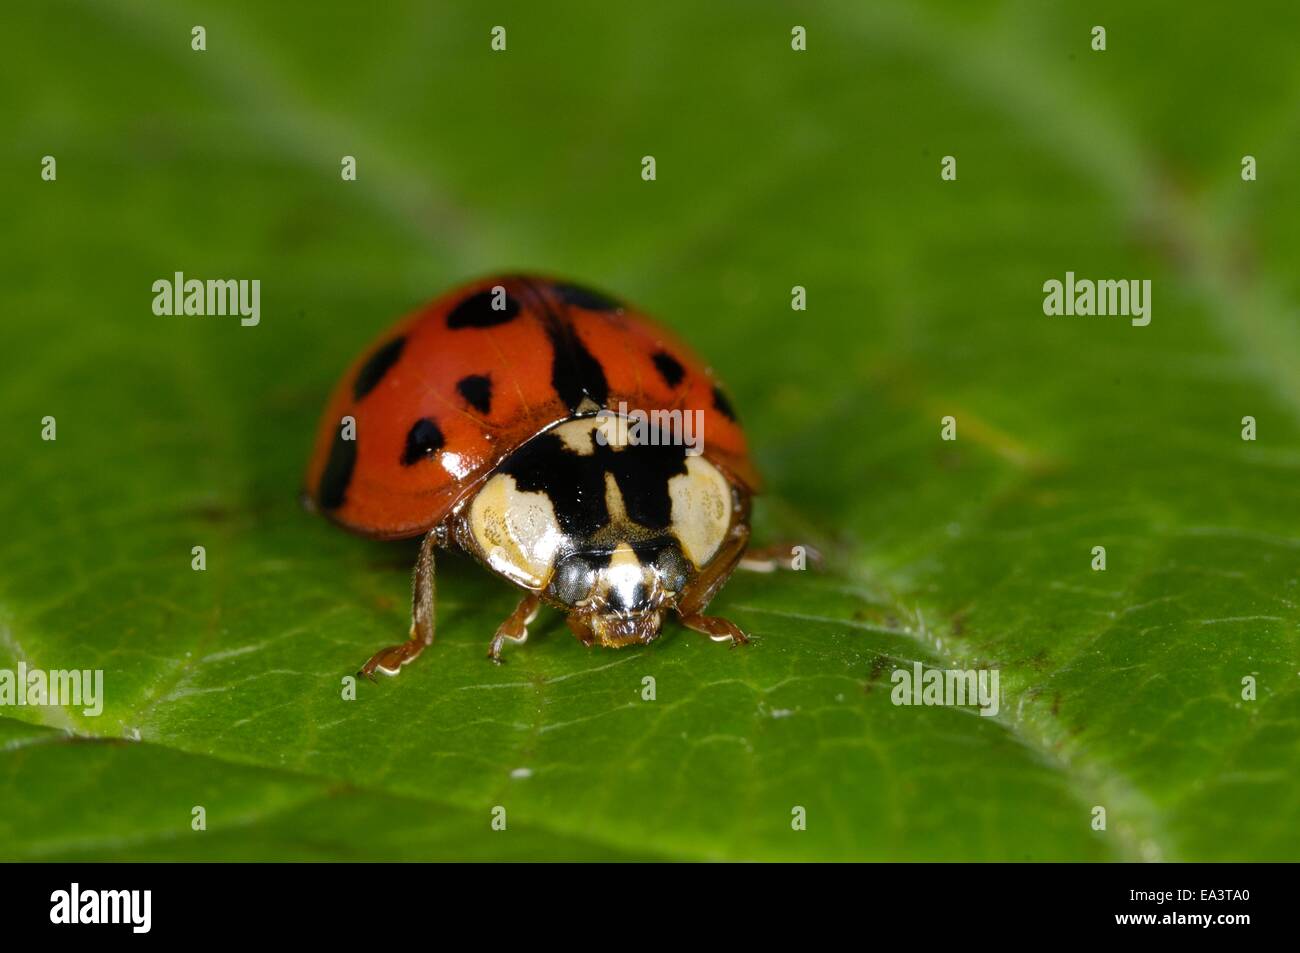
column 517, row 532
column 576, row 437
column 701, row 509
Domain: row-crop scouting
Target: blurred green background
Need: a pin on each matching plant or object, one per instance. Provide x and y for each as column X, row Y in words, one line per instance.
column 776, row 168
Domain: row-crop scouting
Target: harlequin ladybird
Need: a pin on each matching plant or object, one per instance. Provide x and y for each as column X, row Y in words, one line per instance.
column 481, row 422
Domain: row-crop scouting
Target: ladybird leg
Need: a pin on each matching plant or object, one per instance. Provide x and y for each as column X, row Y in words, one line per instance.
column 705, row 585
column 693, row 599
column 390, row 660
column 515, row 628
column 716, row 628
column 580, row 626
column 779, row 556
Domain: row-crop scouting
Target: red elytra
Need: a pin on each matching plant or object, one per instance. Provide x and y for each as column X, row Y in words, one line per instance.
column 543, row 350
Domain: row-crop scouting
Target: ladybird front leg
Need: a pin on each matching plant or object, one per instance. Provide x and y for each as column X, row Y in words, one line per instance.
column 693, row 599
column 580, row 626
column 515, row 628
column 716, row 628
column 780, row 556
column 390, row 660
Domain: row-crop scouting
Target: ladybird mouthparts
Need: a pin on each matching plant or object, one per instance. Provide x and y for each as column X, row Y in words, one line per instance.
column 618, row 629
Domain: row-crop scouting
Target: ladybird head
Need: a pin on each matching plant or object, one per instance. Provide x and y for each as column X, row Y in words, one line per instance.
column 618, row 598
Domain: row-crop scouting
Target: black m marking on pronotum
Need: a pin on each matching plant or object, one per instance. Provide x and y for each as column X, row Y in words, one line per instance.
column 422, row 440
column 575, row 483
column 642, row 473
column 477, row 391
column 376, row 366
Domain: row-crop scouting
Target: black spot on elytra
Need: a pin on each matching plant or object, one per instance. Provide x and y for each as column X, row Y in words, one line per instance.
column 669, row 368
column 336, row 476
column 423, row 439
column 580, row 297
column 575, row 373
column 722, row 404
column 376, row 366
column 476, row 311
column 477, row 391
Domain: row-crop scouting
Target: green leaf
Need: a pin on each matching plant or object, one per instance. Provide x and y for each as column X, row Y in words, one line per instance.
column 1121, row 689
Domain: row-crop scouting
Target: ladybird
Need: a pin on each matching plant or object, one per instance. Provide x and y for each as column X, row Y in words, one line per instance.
column 500, row 420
